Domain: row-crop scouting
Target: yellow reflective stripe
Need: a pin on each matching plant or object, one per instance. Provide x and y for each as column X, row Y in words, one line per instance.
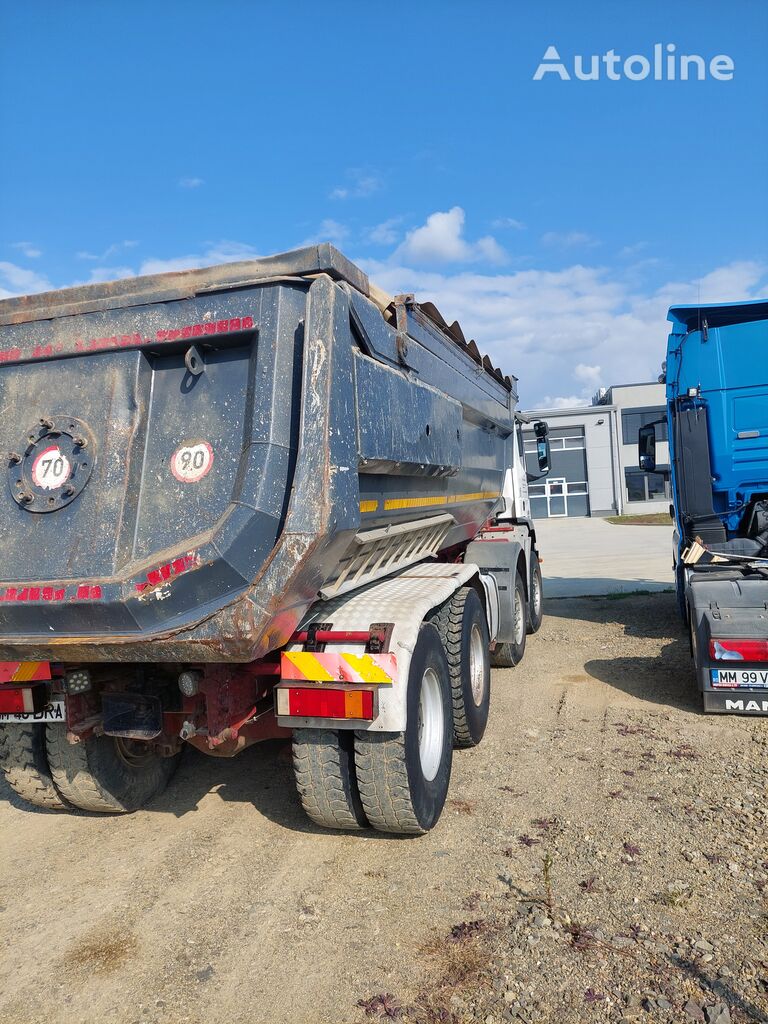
column 309, row 666
column 26, row 670
column 369, row 506
column 395, row 503
column 477, row 496
column 392, row 504
column 366, row 668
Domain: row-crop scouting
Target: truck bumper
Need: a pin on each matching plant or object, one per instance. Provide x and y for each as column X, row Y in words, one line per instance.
column 739, row 702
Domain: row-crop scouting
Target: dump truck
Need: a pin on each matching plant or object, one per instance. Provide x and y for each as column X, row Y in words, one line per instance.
column 252, row 501
column 716, row 376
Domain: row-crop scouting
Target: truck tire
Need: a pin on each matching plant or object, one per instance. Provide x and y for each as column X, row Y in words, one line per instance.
column 324, row 766
column 25, row 764
column 509, row 653
column 463, row 630
column 535, row 596
column 403, row 777
column 105, row 774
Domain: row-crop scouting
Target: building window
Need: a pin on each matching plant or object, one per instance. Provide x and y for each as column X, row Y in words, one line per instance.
column 633, row 419
column 559, row 442
column 647, row 486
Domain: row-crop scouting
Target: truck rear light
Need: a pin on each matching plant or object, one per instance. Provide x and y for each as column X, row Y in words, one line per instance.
column 17, row 700
column 77, row 681
column 738, row 650
column 189, row 682
column 322, row 702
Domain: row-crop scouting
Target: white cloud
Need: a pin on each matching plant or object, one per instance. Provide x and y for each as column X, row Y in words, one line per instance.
column 564, row 332
column 502, row 223
column 632, row 250
column 385, row 233
column 191, row 182
column 16, row 280
column 591, row 375
column 216, row 252
column 570, row 402
column 329, row 231
column 567, row 332
column 361, row 184
column 569, row 240
column 111, row 250
column 441, row 240
column 99, row 274
column 28, row 249
column 488, row 249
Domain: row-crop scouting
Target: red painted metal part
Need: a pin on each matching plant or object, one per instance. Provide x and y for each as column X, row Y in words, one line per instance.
column 333, row 636
column 233, row 708
column 264, row 727
column 10, row 669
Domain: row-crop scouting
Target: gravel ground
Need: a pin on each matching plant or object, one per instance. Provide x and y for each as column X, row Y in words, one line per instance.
column 602, row 857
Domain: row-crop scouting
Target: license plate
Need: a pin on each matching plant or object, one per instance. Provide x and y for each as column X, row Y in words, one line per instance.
column 735, row 677
column 53, row 712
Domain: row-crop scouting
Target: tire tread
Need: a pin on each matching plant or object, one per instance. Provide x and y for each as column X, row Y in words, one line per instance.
column 76, row 777
column 24, row 762
column 449, row 621
column 72, row 776
column 383, row 780
column 326, row 787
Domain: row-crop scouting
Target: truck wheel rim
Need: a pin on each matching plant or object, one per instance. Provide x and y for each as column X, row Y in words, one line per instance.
column 519, row 625
column 536, row 594
column 431, row 724
column 477, row 665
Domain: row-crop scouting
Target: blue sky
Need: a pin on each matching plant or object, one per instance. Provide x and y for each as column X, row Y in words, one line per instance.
column 556, row 219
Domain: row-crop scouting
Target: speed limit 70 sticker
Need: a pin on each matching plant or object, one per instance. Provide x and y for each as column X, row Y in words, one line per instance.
column 51, row 469
column 192, row 461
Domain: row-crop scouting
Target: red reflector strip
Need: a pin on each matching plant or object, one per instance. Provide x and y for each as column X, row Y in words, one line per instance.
column 327, row 703
column 738, row 650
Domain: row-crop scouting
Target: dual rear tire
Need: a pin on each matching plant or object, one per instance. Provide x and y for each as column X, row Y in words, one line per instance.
column 398, row 782
column 107, row 774
column 101, row 774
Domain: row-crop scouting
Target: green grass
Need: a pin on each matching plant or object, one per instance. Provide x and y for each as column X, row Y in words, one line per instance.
column 651, row 519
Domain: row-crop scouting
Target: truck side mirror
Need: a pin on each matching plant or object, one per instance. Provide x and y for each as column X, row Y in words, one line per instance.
column 541, row 431
column 646, row 445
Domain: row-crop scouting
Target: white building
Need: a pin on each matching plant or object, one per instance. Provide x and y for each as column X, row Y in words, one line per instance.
column 594, row 468
column 636, row 405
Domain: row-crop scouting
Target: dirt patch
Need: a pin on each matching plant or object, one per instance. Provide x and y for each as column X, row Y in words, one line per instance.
column 602, row 857
column 102, row 953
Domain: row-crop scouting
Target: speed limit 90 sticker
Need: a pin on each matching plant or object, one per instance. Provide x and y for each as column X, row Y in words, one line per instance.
column 51, row 469
column 192, row 461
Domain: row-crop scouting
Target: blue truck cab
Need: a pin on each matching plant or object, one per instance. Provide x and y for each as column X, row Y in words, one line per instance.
column 717, row 417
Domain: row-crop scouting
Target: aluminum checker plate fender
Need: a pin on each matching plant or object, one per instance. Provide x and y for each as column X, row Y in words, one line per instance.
column 404, row 600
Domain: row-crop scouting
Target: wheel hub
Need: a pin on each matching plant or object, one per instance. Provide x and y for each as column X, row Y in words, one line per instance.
column 477, row 655
column 431, row 724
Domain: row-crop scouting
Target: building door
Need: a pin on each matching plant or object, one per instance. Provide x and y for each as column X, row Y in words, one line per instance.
column 557, row 497
column 565, row 492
